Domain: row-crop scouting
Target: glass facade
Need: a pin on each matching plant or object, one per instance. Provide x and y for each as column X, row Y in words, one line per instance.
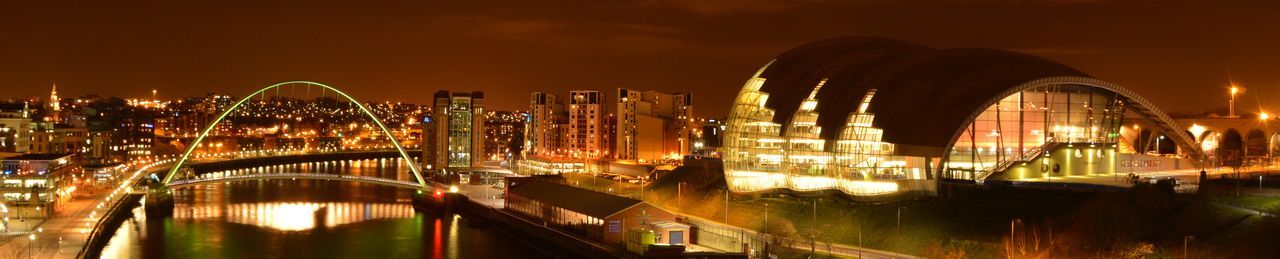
column 1026, row 125
column 759, row 157
column 460, row 132
column 572, row 221
column 1077, row 125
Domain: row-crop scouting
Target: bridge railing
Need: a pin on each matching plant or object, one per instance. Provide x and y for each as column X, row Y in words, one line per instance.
column 317, row 176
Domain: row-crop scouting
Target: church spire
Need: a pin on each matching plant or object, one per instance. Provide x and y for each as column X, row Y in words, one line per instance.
column 54, row 102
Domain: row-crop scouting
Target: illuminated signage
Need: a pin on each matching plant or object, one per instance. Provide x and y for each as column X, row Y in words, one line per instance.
column 1140, row 163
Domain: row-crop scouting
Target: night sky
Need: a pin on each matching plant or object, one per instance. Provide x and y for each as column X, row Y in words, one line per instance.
column 1180, row 54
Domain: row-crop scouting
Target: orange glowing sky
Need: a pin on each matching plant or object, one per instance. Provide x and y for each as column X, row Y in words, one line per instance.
column 1181, row 54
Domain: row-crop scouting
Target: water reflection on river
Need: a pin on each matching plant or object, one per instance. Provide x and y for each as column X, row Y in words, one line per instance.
column 276, row 219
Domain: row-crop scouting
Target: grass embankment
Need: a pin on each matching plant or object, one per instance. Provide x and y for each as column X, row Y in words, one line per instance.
column 927, row 227
column 1261, row 203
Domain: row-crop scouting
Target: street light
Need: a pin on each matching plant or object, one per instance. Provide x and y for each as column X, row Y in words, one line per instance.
column 1231, row 109
column 766, row 218
column 31, row 245
column 1184, row 244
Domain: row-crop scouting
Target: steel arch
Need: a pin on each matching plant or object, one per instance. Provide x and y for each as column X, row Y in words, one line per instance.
column 412, row 166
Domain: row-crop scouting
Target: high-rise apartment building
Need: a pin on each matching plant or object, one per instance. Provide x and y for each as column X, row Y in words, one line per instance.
column 586, row 117
column 609, row 136
column 540, row 132
column 456, row 130
column 652, row 125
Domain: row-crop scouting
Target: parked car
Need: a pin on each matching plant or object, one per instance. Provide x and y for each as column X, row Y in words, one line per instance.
column 1148, row 180
column 1170, row 180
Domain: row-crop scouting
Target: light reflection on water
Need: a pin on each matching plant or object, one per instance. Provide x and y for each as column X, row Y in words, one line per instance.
column 292, row 216
column 275, row 219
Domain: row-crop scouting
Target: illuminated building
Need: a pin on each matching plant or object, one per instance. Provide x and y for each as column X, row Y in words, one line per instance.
column 457, row 130
column 707, row 140
column 41, row 138
column 586, row 114
column 551, row 165
column 652, row 125
column 138, row 132
column 101, row 146
column 609, row 135
column 504, row 131
column 55, row 104
column 69, row 139
column 869, row 116
column 540, row 132
column 15, row 128
column 34, row 185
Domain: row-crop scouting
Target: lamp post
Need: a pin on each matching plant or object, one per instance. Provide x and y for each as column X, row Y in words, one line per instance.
column 31, row 245
column 1184, row 244
column 766, row 218
column 813, row 235
column 1158, row 140
column 1012, row 235
column 1231, row 104
column 680, row 196
column 898, row 226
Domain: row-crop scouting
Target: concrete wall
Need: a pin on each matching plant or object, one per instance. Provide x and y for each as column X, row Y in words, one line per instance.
column 632, row 170
column 1139, row 163
column 649, row 137
column 1077, row 160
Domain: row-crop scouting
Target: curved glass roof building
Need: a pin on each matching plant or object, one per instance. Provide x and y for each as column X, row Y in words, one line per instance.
column 871, row 116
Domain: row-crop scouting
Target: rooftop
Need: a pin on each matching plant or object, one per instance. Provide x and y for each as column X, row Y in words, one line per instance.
column 38, row 156
column 587, row 202
column 921, row 96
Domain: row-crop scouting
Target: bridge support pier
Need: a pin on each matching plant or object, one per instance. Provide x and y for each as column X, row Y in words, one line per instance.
column 438, row 202
column 159, row 203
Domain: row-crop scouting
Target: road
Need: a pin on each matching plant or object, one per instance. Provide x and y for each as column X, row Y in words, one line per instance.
column 1186, row 175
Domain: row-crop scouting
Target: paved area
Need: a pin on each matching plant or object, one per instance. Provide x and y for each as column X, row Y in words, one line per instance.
column 486, row 194
column 61, row 236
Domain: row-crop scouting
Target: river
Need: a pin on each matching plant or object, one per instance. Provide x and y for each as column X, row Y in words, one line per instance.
column 276, row 219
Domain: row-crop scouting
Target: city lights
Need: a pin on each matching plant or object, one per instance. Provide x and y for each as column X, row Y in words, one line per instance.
column 531, row 130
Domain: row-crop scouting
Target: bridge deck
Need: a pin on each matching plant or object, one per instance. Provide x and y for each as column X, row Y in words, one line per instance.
column 313, row 176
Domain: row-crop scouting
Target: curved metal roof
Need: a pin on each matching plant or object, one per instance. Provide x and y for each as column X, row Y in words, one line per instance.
column 923, row 95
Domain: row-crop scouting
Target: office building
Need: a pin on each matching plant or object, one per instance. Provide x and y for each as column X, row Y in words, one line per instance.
column 456, row 130
column 34, row 185
column 15, row 128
